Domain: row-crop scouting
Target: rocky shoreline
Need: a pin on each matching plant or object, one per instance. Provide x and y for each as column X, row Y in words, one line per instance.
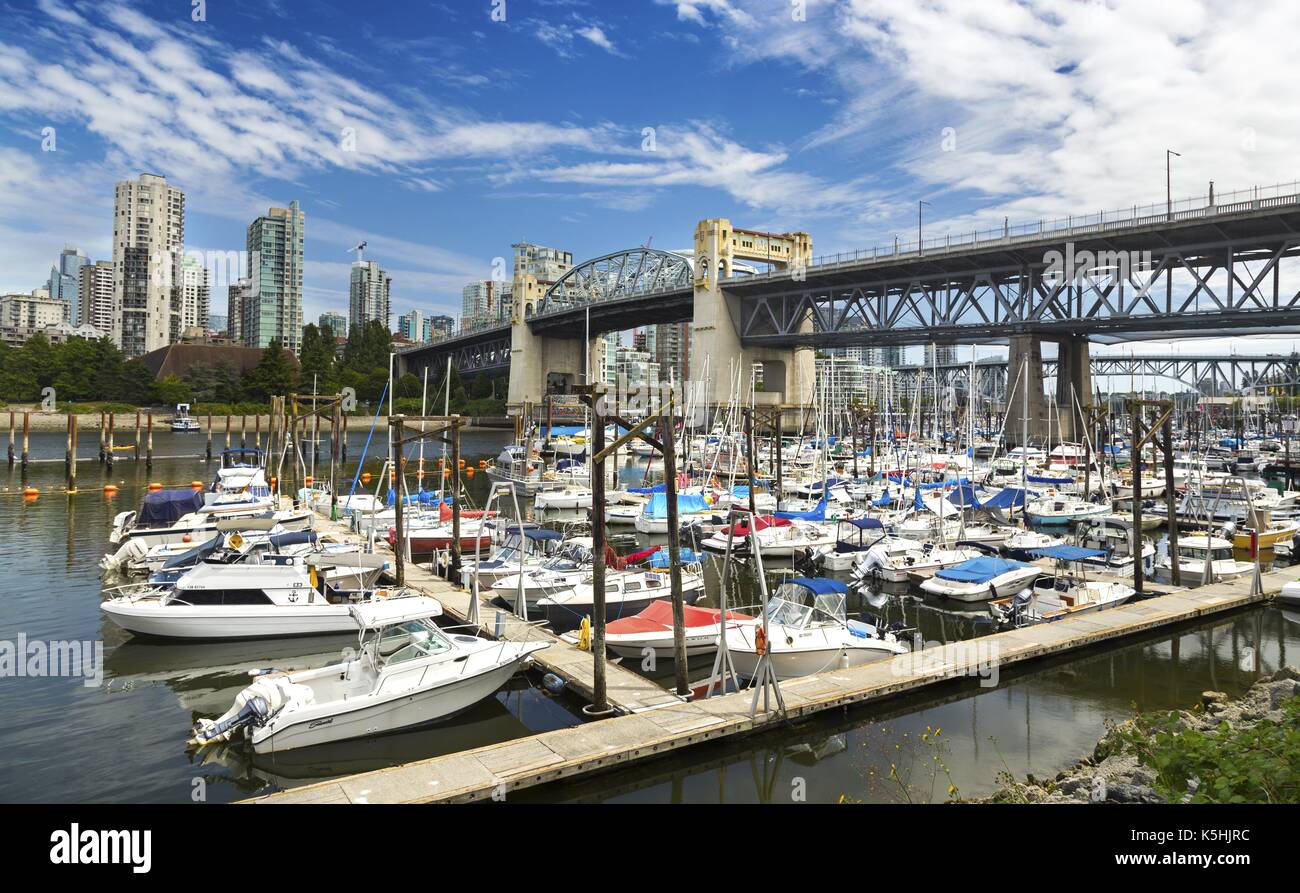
column 1114, row 775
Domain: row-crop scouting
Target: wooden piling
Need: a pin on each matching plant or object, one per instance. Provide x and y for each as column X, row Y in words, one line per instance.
column 675, row 556
column 137, row 435
column 103, row 433
column 227, row 430
column 243, row 431
column 11, row 437
column 1175, row 572
column 399, row 528
column 207, row 454
column 110, row 454
column 343, row 438
column 334, row 462
column 148, row 443
column 257, row 431
column 27, row 430
column 72, row 452
column 600, row 696
column 454, row 562
column 1136, row 462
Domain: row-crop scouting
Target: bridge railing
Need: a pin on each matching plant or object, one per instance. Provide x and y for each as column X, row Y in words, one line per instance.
column 1233, row 202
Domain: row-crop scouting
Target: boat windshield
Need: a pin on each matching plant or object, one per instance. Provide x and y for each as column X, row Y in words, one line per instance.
column 410, row 641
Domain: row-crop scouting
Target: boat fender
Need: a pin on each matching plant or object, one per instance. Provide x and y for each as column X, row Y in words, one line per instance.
column 760, row 641
column 584, row 634
column 552, row 683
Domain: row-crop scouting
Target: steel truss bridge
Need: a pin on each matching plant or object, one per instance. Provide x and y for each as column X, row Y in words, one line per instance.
column 1201, row 269
column 1210, row 375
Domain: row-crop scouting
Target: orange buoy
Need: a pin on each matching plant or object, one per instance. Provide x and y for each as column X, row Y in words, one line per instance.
column 307, row 480
column 420, row 474
column 31, row 492
column 469, row 472
column 365, row 478
column 460, row 463
column 155, row 486
column 186, row 538
column 110, row 488
column 482, row 464
column 196, row 485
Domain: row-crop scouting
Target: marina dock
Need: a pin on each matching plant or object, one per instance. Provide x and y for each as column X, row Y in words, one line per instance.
column 654, row 726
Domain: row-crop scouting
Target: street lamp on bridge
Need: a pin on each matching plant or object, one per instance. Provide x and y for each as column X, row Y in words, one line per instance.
column 1169, row 195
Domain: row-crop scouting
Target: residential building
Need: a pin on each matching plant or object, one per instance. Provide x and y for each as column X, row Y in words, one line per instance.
column 193, row 285
column 411, row 326
column 95, row 295
column 337, row 322
column 547, row 264
column 369, row 294
column 438, row 327
column 239, row 296
column 481, row 303
column 65, row 282
column 148, row 238
column 275, row 252
column 671, row 346
column 33, row 311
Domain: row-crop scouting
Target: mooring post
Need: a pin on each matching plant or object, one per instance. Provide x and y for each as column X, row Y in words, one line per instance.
column 27, row 429
column 1135, row 460
column 103, row 433
column 148, row 442
column 257, row 431
column 72, row 452
column 110, row 455
column 395, row 429
column 12, row 437
column 453, row 572
column 599, row 696
column 67, row 454
column 334, row 462
column 207, row 454
column 227, row 430
column 1175, row 571
column 243, row 431
column 343, row 438
column 137, row 435
column 675, row 556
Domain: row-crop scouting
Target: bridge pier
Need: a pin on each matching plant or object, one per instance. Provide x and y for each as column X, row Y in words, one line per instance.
column 1025, row 373
column 538, row 364
column 789, row 374
column 1073, row 385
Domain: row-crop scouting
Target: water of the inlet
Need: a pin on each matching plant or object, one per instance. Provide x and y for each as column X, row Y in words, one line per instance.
column 125, row 739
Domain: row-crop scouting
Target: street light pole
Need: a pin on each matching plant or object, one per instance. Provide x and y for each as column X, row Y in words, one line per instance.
column 919, row 243
column 1169, row 195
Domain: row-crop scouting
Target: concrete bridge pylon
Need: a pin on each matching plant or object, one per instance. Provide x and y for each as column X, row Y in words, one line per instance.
column 538, row 364
column 789, row 374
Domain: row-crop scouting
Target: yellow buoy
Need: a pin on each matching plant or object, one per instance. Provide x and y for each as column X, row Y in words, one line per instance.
column 155, row 486
column 308, row 479
column 584, row 634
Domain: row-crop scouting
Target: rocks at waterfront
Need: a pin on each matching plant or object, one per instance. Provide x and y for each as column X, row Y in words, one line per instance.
column 1112, row 776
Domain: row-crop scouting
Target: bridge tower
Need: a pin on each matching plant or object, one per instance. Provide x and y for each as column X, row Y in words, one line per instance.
column 538, row 364
column 789, row 375
column 1073, row 388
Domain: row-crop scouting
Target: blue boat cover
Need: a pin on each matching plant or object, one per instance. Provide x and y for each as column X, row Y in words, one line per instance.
column 1067, row 553
column 192, row 556
column 1039, row 479
column 817, row 514
column 292, row 538
column 1006, row 498
column 980, row 570
column 167, row 506
column 565, row 430
column 819, row 585
column 864, row 523
column 660, row 559
column 884, row 500
column 657, row 507
column 657, row 488
column 964, row 496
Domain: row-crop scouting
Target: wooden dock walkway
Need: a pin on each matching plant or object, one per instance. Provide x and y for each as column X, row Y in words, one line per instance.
column 494, row 770
column 627, row 692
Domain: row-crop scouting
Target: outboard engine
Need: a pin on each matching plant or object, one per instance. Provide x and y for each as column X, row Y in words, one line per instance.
column 254, row 712
column 1017, row 613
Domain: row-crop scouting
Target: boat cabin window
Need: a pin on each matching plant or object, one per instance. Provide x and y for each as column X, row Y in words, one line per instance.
column 632, row 586
column 210, row 597
column 410, row 641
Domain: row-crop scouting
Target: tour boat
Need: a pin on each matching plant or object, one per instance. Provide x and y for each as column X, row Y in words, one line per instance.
column 281, row 596
column 808, row 631
column 981, row 578
column 652, row 629
column 408, row 672
column 627, row 593
column 182, row 421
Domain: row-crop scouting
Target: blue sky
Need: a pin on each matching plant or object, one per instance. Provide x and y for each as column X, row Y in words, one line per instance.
column 471, row 133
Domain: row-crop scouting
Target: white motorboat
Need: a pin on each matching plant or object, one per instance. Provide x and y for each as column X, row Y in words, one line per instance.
column 1194, row 554
column 521, row 552
column 563, row 497
column 1063, row 509
column 627, row 592
column 557, row 575
column 1290, row 594
column 653, row 517
column 854, row 537
column 407, row 673
column 1021, row 543
column 265, row 597
column 182, row 421
column 652, row 629
column 1054, row 598
column 894, row 559
column 808, row 632
column 982, row 578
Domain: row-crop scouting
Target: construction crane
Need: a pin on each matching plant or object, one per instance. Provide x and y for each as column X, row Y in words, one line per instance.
column 361, row 246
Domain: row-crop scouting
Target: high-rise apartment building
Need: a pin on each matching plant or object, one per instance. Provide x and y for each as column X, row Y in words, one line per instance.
column 547, row 264
column 438, row 327
column 275, row 253
column 481, row 303
column 194, row 285
column 369, row 294
column 95, row 295
column 239, row 296
column 65, row 282
column 148, row 239
column 337, row 322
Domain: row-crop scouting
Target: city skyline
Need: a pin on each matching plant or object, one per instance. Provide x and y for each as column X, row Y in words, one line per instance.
column 252, row 131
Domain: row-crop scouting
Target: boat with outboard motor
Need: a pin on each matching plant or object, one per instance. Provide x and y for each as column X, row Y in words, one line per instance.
column 808, row 631
column 981, row 578
column 652, row 629
column 408, row 673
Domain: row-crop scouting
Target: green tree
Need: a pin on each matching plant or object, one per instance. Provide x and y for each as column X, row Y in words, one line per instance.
column 316, row 359
column 273, row 375
column 172, row 390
